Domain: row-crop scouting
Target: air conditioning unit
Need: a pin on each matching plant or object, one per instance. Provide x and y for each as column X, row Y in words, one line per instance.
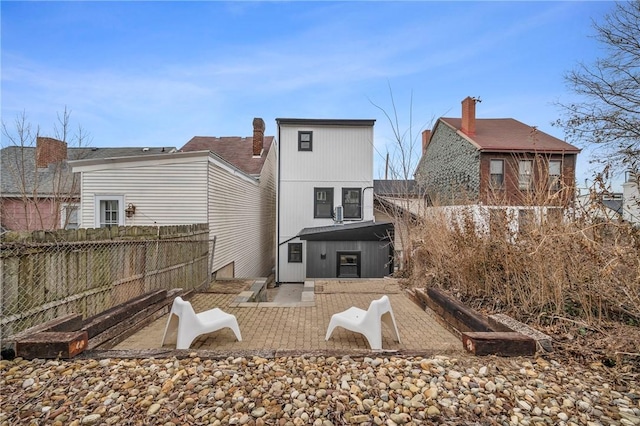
column 339, row 214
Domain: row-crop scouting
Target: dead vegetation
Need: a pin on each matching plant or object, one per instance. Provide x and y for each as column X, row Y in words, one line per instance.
column 574, row 276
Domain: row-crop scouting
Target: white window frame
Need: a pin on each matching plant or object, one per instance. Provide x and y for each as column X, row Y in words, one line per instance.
column 525, row 177
column 63, row 215
column 554, row 178
column 492, row 184
column 100, row 198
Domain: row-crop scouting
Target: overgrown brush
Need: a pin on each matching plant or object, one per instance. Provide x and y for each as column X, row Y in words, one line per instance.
column 577, row 270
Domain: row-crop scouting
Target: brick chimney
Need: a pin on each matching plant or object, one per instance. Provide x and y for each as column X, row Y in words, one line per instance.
column 49, row 151
column 258, row 136
column 426, row 134
column 469, row 116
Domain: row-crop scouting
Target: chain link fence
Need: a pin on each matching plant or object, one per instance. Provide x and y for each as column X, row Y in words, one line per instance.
column 49, row 274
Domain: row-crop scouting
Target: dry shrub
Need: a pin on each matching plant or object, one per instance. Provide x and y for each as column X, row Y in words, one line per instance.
column 572, row 277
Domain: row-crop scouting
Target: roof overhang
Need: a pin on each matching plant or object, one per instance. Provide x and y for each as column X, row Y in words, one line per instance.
column 360, row 231
column 324, row 122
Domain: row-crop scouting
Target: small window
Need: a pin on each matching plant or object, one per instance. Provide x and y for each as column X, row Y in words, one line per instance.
column 555, row 168
column 525, row 167
column 295, row 252
column 109, row 211
column 305, row 141
column 351, row 202
column 69, row 216
column 348, row 264
column 323, row 203
column 496, row 174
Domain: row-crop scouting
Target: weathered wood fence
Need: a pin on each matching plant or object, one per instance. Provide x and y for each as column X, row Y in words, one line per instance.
column 46, row 274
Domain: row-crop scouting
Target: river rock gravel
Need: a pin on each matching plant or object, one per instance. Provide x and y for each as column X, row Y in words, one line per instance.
column 314, row 390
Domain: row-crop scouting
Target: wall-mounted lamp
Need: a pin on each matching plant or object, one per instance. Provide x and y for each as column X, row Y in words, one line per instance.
column 130, row 210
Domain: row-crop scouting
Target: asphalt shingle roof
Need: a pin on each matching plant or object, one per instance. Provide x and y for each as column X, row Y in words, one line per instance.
column 19, row 174
column 236, row 150
column 509, row 135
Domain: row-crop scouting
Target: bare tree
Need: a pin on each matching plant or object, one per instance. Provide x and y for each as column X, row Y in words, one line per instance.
column 401, row 199
column 37, row 195
column 608, row 116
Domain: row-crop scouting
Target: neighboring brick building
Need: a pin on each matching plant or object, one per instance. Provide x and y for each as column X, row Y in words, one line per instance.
column 494, row 161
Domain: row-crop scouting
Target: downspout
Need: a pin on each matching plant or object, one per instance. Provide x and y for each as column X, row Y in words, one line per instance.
column 278, row 213
column 372, row 204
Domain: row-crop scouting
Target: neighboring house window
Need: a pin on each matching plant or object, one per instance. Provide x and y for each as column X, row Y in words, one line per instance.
column 295, row 252
column 496, row 174
column 109, row 210
column 352, row 203
column 69, row 216
column 323, row 203
column 525, row 167
column 555, row 167
column 305, row 141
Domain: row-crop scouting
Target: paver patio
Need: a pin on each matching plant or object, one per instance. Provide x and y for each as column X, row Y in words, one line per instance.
column 304, row 327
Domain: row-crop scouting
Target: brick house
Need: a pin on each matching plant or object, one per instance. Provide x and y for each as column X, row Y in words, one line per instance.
column 494, row 161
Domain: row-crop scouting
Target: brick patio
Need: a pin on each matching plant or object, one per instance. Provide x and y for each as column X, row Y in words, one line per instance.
column 304, row 327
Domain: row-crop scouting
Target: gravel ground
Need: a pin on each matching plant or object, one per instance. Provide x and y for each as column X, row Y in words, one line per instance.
column 314, row 390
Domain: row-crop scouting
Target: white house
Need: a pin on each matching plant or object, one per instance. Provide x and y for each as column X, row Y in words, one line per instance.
column 325, row 224
column 184, row 188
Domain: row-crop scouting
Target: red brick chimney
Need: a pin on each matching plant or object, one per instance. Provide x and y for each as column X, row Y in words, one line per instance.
column 258, row 136
column 426, row 134
column 469, row 116
column 49, row 151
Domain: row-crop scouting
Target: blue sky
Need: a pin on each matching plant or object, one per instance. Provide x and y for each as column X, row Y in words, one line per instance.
column 159, row 73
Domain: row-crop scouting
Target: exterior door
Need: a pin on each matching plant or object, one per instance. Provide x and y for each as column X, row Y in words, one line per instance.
column 348, row 264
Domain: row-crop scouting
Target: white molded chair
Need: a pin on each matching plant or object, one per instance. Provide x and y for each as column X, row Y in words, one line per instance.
column 368, row 323
column 190, row 325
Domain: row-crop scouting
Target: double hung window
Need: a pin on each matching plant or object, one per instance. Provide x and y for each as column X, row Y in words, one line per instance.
column 109, row 210
column 352, row 203
column 323, row 203
column 496, row 174
column 525, row 171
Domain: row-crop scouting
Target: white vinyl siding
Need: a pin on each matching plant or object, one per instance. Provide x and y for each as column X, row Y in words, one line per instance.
column 342, row 157
column 164, row 194
column 235, row 219
column 195, row 188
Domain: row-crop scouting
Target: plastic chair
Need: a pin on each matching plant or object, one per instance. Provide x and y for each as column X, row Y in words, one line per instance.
column 368, row 323
column 190, row 325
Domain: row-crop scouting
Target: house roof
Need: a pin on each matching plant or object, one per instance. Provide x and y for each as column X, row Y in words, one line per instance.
column 325, row 122
column 18, row 165
column 358, row 231
column 236, row 150
column 395, row 187
column 509, row 135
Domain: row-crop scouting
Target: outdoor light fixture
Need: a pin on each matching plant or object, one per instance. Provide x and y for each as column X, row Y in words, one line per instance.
column 130, row 210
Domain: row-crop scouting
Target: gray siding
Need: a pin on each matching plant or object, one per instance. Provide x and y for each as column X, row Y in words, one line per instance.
column 449, row 171
column 374, row 258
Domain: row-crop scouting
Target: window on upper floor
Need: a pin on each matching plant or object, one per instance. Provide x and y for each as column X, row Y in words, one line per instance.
column 555, row 170
column 294, row 252
column 305, row 141
column 323, row 203
column 109, row 210
column 496, row 174
column 352, row 203
column 525, row 170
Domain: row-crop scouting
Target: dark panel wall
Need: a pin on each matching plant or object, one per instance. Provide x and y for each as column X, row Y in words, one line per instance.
column 374, row 257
